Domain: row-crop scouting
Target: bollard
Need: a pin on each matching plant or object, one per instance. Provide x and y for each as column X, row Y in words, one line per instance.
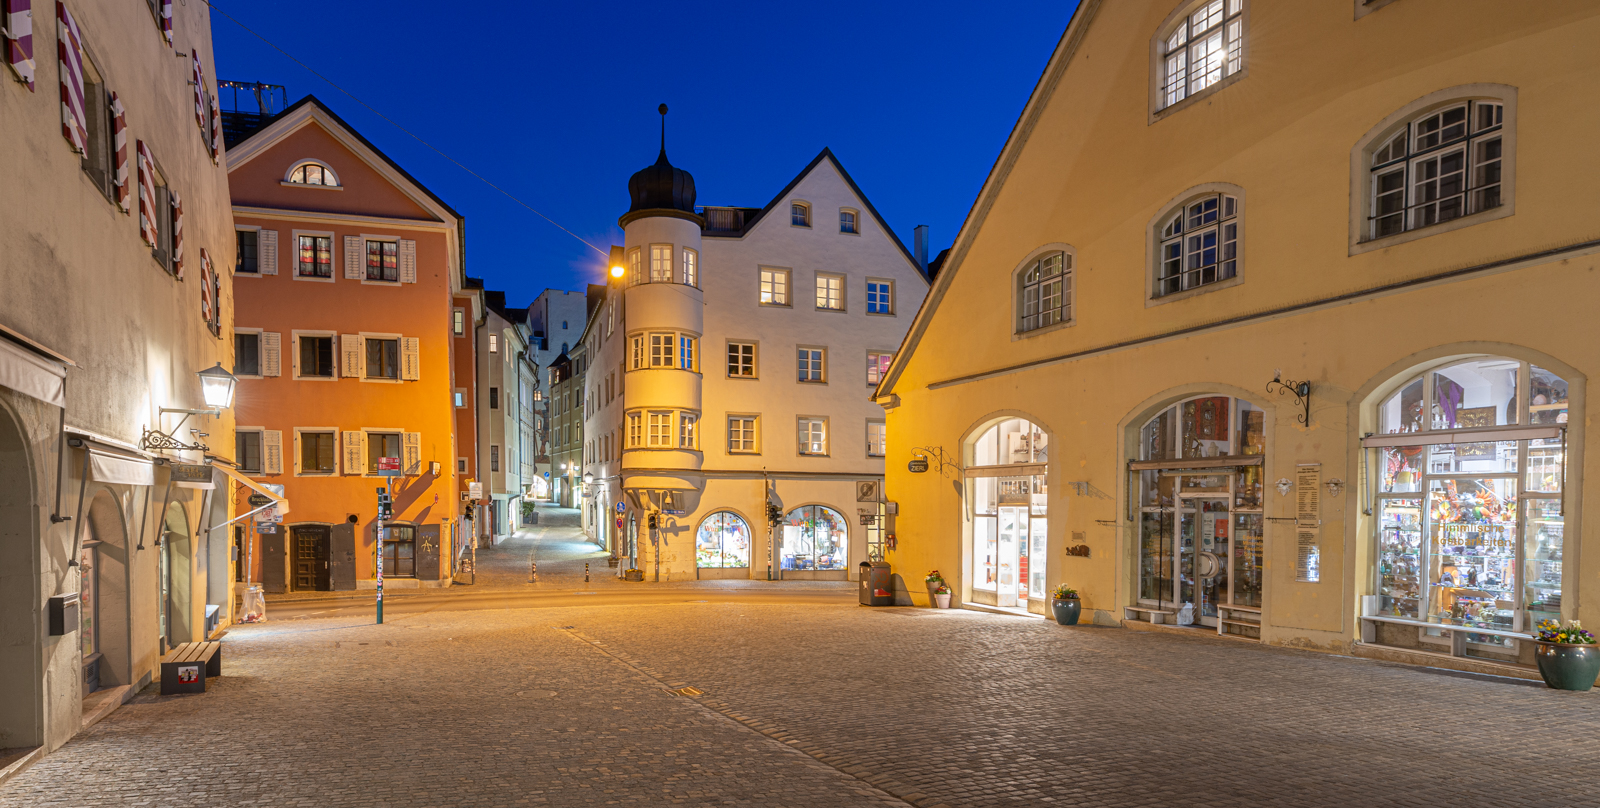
column 585, row 572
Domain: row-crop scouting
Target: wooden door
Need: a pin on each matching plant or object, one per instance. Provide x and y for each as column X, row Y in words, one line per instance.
column 428, row 553
column 310, row 562
column 342, row 561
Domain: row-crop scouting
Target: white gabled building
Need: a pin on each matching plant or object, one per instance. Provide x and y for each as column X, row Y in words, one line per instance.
column 731, row 366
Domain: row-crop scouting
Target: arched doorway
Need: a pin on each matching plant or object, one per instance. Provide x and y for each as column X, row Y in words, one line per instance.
column 1470, row 465
column 722, row 546
column 103, row 596
column 815, row 544
column 1008, row 504
column 1201, row 542
column 172, row 604
column 21, row 702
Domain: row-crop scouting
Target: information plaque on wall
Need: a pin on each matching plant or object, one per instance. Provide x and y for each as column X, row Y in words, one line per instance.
column 1308, row 522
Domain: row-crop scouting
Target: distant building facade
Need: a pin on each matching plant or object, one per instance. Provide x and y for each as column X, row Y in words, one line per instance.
column 505, row 368
column 555, row 321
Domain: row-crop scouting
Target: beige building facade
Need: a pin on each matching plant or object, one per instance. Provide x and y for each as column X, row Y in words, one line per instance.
column 1258, row 330
column 730, row 376
column 116, row 257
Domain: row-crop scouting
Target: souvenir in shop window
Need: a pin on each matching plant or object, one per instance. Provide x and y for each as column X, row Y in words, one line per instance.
column 1252, row 429
column 814, row 538
column 1205, row 427
column 1547, row 397
column 723, row 540
column 1156, row 437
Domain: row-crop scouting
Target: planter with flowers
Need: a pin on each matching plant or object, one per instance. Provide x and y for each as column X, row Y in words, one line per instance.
column 1567, row 655
column 934, row 580
column 1065, row 604
column 941, row 596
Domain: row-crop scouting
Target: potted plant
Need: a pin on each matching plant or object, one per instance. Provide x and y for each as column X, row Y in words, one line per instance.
column 1567, row 655
column 1065, row 604
column 934, row 580
column 941, row 596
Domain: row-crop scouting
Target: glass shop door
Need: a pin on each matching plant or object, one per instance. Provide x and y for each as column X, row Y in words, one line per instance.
column 1013, row 551
column 1202, row 555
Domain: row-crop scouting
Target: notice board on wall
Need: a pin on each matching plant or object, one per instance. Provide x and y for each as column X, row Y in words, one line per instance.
column 1308, row 522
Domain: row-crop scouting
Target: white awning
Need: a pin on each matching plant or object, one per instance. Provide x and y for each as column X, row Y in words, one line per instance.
column 32, row 375
column 277, row 499
column 1482, row 434
column 105, row 467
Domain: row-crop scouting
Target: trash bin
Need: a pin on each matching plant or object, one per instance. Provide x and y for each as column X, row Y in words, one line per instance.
column 255, row 605
column 877, row 584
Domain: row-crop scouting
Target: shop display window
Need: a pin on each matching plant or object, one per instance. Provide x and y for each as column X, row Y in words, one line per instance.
column 1470, row 534
column 1009, row 511
column 723, row 540
column 1249, row 559
column 1155, row 556
column 814, row 538
column 1010, row 442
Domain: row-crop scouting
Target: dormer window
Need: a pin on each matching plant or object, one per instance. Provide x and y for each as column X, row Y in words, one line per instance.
column 311, row 172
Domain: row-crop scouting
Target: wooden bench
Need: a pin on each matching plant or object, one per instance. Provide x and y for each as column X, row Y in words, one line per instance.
column 1152, row 615
column 185, row 668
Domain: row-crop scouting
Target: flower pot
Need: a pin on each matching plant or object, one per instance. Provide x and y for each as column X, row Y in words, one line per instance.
column 1567, row 666
column 932, row 585
column 941, row 601
column 1066, row 610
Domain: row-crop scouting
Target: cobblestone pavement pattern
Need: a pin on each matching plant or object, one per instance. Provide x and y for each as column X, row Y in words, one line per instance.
column 832, row 705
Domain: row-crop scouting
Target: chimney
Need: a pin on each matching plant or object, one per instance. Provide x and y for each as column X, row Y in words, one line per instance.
column 920, row 239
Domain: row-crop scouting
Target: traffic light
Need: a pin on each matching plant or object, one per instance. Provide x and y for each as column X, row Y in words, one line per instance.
column 385, row 504
column 652, row 521
column 774, row 514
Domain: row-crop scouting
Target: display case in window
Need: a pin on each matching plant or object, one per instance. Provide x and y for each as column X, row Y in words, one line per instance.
column 1400, row 557
column 1472, row 564
column 1542, row 546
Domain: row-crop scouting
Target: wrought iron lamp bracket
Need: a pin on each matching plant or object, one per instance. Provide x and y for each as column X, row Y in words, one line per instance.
column 946, row 463
column 156, row 440
column 1300, row 390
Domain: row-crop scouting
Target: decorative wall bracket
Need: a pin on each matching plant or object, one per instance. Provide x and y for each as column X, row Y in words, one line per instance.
column 1084, row 488
column 938, row 457
column 1300, row 390
column 156, row 440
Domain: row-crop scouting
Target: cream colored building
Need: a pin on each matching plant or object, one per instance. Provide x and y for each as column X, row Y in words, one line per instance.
column 1389, row 201
column 731, row 367
column 116, row 260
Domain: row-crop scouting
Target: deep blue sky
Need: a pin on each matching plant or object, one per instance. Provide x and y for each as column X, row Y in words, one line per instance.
column 556, row 102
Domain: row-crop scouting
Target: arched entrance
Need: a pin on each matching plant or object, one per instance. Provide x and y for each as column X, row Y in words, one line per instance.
column 21, row 702
column 815, row 544
column 1470, row 467
column 175, row 558
column 1201, row 542
column 722, row 546
column 103, row 596
column 1008, row 504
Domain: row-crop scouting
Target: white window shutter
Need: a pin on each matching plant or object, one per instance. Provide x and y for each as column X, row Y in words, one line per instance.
column 297, row 452
column 353, row 269
column 408, row 261
column 353, row 451
column 271, row 353
column 294, row 356
column 272, row 451
column 412, row 454
column 353, row 353
column 410, row 359
column 267, row 251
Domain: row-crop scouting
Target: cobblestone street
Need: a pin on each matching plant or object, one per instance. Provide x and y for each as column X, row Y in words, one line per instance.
column 811, row 705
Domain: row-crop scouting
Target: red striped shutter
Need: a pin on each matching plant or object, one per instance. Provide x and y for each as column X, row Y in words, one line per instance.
column 19, row 39
column 177, row 232
column 119, row 148
column 216, row 131
column 208, row 310
column 199, row 93
column 166, row 20
column 147, row 194
column 69, row 50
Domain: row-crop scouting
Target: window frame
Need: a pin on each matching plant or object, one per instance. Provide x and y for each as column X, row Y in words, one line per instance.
column 804, row 209
column 238, row 332
column 755, row 359
column 883, row 426
column 458, row 322
column 371, row 467
column 333, row 437
column 367, row 338
column 238, row 262
column 822, row 360
column 333, row 344
column 1155, row 241
column 288, row 176
column 855, row 222
column 889, row 282
column 333, row 255
column 261, row 449
column 666, row 271
column 1069, row 297
column 875, row 363
column 645, row 347
column 1362, row 174
column 788, row 286
column 754, row 420
column 827, row 437
column 366, row 257
column 1157, row 66
column 844, row 296
column 689, row 267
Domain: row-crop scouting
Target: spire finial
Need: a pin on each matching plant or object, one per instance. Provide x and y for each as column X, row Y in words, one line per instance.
column 663, row 110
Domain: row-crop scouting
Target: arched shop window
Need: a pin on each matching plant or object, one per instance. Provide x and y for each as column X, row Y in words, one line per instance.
column 722, row 541
column 1009, row 512
column 1200, row 520
column 814, row 538
column 1468, row 469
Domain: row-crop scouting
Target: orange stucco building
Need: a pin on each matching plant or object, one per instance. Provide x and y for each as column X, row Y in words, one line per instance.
column 349, row 275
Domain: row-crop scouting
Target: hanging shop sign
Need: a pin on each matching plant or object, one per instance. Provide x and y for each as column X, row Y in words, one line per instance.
column 917, row 466
column 260, row 500
column 191, row 475
column 1308, row 522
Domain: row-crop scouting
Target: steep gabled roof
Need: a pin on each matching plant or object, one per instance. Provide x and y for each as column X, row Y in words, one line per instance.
column 826, row 154
column 950, row 261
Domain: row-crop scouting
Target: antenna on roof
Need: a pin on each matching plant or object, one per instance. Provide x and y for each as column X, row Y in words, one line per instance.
column 663, row 110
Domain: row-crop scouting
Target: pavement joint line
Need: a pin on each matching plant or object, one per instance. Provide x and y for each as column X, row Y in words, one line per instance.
column 722, row 711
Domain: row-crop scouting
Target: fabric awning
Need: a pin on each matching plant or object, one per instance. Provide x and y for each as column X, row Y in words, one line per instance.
column 1480, row 434
column 31, row 374
column 277, row 499
column 110, row 463
column 657, row 482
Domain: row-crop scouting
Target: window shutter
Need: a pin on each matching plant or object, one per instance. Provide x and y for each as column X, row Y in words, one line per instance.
column 294, row 356
column 354, row 451
column 69, row 52
column 271, row 355
column 147, row 193
column 216, row 131
column 354, row 354
column 177, row 233
column 19, row 39
column 353, row 269
column 267, row 252
column 207, row 309
column 119, row 148
column 408, row 261
column 166, row 20
column 410, row 359
column 199, row 78
column 297, row 452
column 411, row 459
column 271, row 451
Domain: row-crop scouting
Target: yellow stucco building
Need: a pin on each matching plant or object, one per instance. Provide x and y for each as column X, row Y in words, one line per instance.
column 1206, row 204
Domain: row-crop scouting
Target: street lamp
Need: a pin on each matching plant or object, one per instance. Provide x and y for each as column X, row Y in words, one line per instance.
column 216, row 386
column 588, row 478
column 618, row 269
